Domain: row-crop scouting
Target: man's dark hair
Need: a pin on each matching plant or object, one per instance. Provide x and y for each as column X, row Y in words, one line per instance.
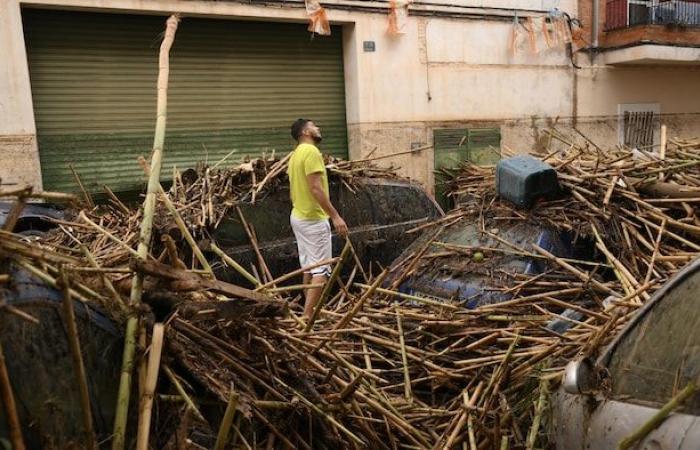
column 298, row 128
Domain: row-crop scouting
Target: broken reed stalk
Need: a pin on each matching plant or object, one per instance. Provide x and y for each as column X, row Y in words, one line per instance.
column 463, row 417
column 86, row 195
column 442, row 303
column 78, row 364
column 179, row 222
column 19, row 313
column 583, row 276
column 105, row 279
column 688, row 391
column 539, row 410
column 93, row 263
column 404, row 359
column 468, row 404
column 146, row 406
column 180, row 390
column 115, row 200
column 185, row 232
column 173, row 256
column 662, row 149
column 328, row 286
column 8, row 401
column 227, row 421
column 342, row 323
column 505, row 444
column 109, row 235
column 295, row 273
column 265, row 271
column 231, row 262
column 15, row 211
column 46, row 195
column 122, row 409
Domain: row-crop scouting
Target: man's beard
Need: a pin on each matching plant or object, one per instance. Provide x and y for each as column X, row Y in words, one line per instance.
column 317, row 139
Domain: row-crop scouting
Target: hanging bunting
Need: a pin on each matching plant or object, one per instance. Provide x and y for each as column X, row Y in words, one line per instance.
column 557, row 30
column 561, row 29
column 516, row 35
column 550, row 38
column 318, row 20
column 578, row 41
column 531, row 29
column 398, row 16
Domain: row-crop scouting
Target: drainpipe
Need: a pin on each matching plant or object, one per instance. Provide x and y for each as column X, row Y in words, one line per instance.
column 595, row 29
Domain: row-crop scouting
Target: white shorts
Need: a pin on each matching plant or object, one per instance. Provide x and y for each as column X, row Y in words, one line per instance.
column 314, row 243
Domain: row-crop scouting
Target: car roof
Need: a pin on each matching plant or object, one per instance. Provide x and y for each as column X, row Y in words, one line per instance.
column 43, row 211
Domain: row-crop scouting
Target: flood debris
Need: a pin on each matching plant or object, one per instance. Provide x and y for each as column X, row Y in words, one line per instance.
column 379, row 367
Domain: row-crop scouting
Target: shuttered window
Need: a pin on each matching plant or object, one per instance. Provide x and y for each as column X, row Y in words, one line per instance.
column 234, row 86
column 454, row 145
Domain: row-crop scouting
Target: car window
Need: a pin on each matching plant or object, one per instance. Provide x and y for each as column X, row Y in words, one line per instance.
column 396, row 202
column 661, row 354
column 269, row 216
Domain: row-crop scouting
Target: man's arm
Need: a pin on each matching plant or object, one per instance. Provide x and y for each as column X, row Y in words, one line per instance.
column 314, row 180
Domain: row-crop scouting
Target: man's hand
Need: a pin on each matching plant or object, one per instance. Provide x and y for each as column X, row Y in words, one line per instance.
column 340, row 226
column 314, row 180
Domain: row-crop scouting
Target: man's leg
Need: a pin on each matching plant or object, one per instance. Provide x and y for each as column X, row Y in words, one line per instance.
column 314, row 243
column 313, row 294
column 306, row 281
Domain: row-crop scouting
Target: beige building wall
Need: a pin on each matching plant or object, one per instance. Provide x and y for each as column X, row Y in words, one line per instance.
column 450, row 72
column 601, row 89
column 19, row 159
column 454, row 71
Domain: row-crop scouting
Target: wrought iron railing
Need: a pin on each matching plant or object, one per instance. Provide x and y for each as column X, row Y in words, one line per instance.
column 629, row 13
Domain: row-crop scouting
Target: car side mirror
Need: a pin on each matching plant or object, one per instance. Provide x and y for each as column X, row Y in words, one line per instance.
column 580, row 377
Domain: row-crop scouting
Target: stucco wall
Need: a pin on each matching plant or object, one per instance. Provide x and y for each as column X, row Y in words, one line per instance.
column 19, row 159
column 601, row 89
column 450, row 69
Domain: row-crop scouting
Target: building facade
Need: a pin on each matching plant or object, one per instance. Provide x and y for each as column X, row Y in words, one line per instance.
column 463, row 79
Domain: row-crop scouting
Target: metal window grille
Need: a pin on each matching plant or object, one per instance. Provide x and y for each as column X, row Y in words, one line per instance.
column 628, row 13
column 639, row 129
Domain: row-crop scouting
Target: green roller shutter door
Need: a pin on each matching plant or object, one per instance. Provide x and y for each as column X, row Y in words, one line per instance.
column 234, row 85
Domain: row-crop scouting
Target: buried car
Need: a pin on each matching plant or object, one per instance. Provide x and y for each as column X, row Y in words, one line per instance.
column 39, row 362
column 378, row 212
column 472, row 257
column 652, row 359
column 471, row 275
column 34, row 218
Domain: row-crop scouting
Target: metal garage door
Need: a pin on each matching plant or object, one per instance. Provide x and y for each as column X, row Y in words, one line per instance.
column 233, row 86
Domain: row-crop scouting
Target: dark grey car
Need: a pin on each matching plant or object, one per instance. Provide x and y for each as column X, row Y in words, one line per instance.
column 654, row 357
column 378, row 212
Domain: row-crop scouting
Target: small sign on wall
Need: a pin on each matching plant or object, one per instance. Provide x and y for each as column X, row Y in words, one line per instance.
column 368, row 46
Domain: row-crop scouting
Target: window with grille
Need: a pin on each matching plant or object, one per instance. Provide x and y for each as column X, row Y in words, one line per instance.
column 639, row 125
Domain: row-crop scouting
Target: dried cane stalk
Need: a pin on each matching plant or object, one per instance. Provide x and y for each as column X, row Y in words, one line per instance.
column 78, row 365
column 122, row 410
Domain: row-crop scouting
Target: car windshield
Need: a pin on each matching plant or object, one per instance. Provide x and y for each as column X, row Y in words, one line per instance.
column 661, row 354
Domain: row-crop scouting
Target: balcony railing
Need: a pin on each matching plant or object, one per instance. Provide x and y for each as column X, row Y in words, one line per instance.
column 628, row 13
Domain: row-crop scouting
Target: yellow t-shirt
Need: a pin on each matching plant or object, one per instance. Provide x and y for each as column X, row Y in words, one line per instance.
column 305, row 160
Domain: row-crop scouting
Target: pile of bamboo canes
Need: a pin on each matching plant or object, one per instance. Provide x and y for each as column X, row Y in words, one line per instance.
column 206, row 195
column 416, row 372
column 638, row 206
column 379, row 368
column 375, row 367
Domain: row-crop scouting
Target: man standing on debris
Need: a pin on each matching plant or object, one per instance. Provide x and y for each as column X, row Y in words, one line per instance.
column 312, row 207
